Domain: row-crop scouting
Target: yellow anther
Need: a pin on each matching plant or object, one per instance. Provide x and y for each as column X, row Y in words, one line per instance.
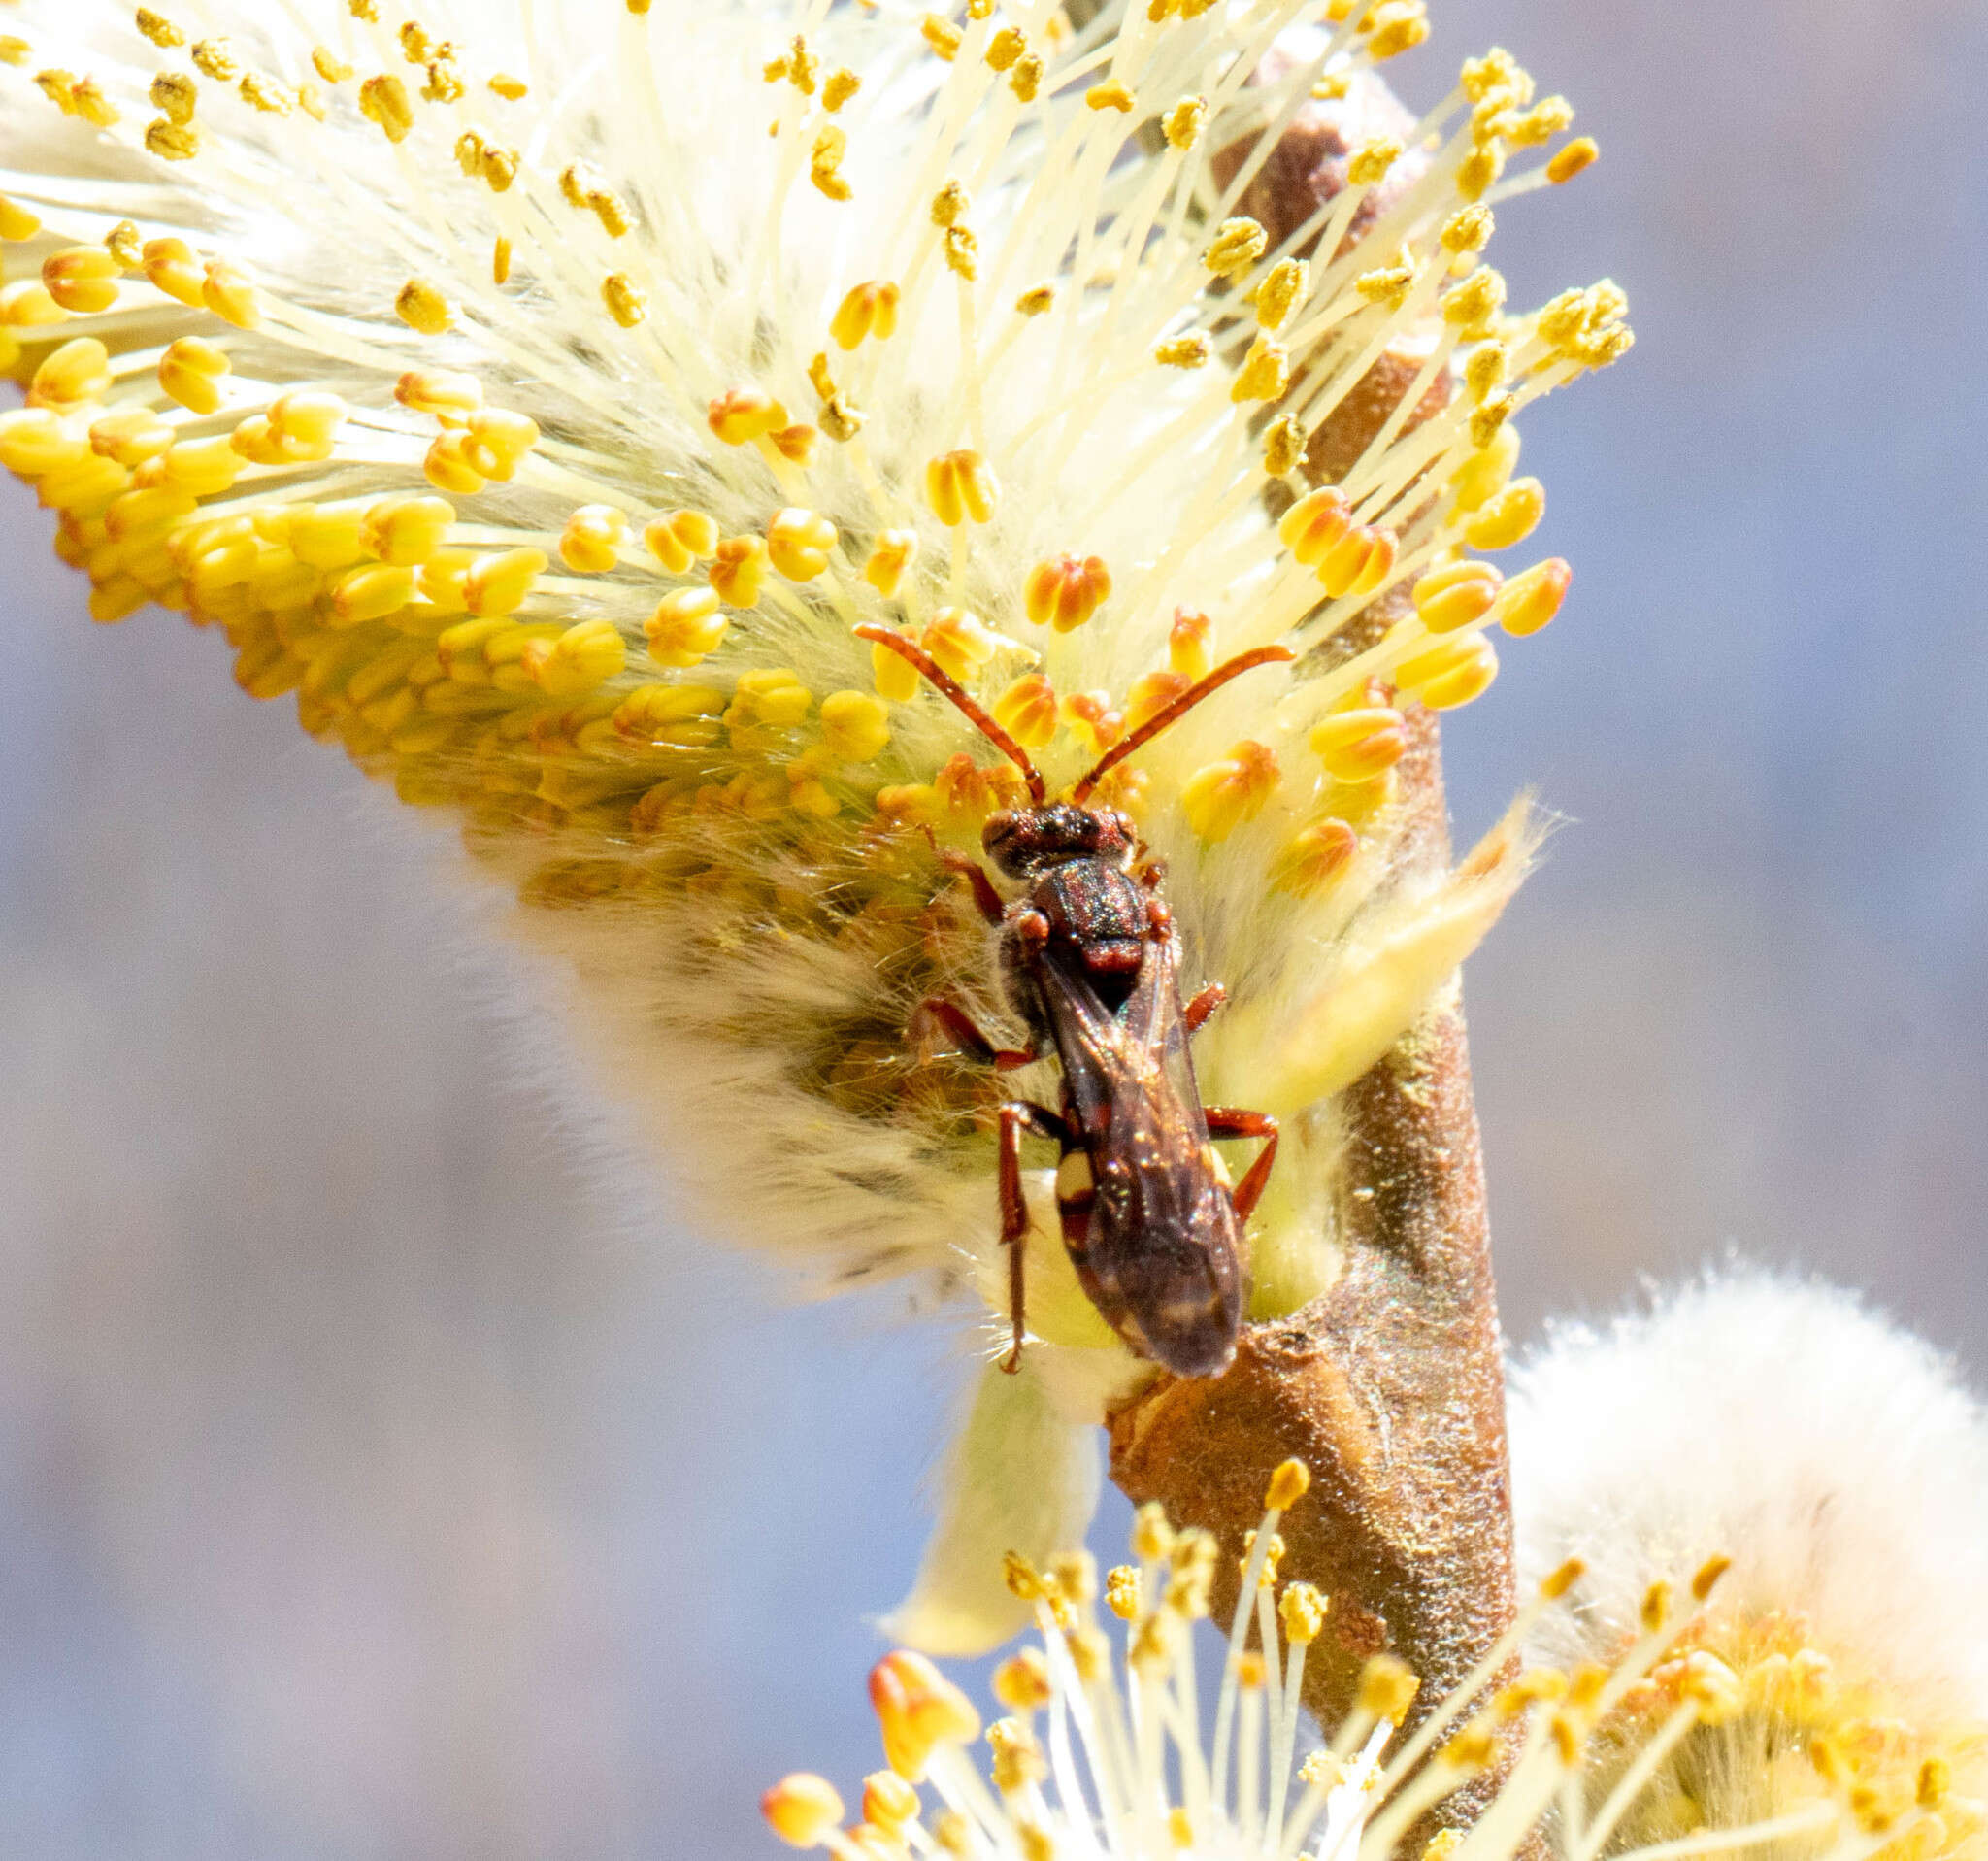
column 888, row 1801
column 1473, row 306
column 1711, row 1686
column 1359, row 562
column 81, row 278
column 406, row 531
column 171, row 267
column 421, row 307
column 1152, row 1537
column 1282, row 286
column 681, row 538
column 1467, row 230
column 1359, row 745
column 1238, row 245
column 1289, row 1484
column 35, row 441
column 1457, row 595
column 304, row 421
column 448, row 468
column 1315, row 856
column 1222, row 795
column 1550, row 117
column 172, row 141
column 1036, row 301
column 326, row 537
column 384, row 100
column 1153, row 1646
column 740, row 414
column 1396, row 26
column 1026, row 79
column 795, row 443
column 498, row 585
column 854, row 725
column 952, row 204
column 941, row 35
column 15, row 221
column 1037, row 1842
column 577, row 660
column 85, row 490
column 1478, row 170
column 206, row 468
column 1387, row 1688
column 1388, row 285
column 1530, row 601
column 960, row 641
column 799, row 541
column 1508, row 518
column 1110, row 95
column 265, row 94
column 230, row 293
column 450, row 398
column 841, row 84
column 130, row 437
column 328, row 65
column 1192, row 350
column 124, row 245
column 1707, row 1578
column 1007, row 47
column 369, row 593
column 1021, row 1683
column 893, row 677
column 869, row 309
column 498, row 440
column 1184, row 123
column 1559, row 1581
column 1450, row 674
column 1301, row 1610
column 687, row 627
column 1472, row 1749
column 1656, row 1607
column 959, row 485
column 890, row 555
column 1065, row 591
column 1027, row 711
column 161, row 31
column 1583, row 153
column 510, row 90
column 625, row 301
column 215, row 59
column 1189, row 644
column 918, row 1709
column 1265, row 374
column 802, row 1809
column 1315, row 526
column 684, row 716
column 1935, row 1780
column 1283, row 446
column 591, row 540
column 1371, row 161
column 825, row 161
column 1487, row 471
column 738, row 570
column 80, row 370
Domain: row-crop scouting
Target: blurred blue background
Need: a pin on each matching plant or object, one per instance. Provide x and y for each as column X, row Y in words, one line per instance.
column 378, row 1481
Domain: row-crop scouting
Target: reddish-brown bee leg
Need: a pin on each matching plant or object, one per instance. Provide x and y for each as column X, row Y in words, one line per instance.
column 968, row 1038
column 1226, row 1123
column 975, row 876
column 1016, row 1118
column 1204, row 1005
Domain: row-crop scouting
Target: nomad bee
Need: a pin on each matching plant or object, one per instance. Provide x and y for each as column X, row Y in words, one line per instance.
column 1090, row 963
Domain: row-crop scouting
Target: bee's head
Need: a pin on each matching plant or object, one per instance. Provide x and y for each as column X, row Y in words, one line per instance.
column 1028, row 841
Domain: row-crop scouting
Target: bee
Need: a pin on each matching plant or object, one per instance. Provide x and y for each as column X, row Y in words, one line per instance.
column 1090, row 965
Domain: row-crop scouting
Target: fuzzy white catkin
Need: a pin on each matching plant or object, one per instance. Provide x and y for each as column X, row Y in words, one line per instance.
column 1836, row 1458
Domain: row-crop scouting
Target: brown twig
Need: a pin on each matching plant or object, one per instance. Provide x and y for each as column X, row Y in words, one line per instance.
column 1391, row 1385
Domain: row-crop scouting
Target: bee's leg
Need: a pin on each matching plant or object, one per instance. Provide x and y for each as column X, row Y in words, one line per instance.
column 1226, row 1123
column 1016, row 1118
column 968, row 1038
column 975, row 876
column 1204, row 1005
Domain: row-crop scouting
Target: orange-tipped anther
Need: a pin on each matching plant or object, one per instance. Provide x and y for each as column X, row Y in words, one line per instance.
column 1530, row 601
column 740, row 414
column 1457, row 594
column 802, row 1808
column 919, row 1710
column 1313, row 527
column 1064, row 592
column 959, row 485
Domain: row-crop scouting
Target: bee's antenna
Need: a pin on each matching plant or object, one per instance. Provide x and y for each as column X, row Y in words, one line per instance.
column 1172, row 713
column 916, row 656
